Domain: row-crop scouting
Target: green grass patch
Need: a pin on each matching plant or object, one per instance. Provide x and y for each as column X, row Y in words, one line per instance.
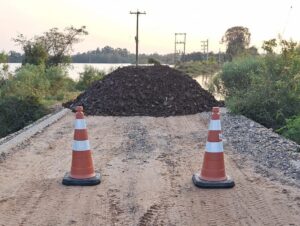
column 196, row 68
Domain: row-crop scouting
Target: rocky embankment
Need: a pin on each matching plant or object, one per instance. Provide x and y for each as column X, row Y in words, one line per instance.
column 272, row 155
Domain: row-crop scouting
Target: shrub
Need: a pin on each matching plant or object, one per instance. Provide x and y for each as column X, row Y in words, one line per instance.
column 56, row 77
column 59, row 82
column 88, row 76
column 292, row 129
column 265, row 89
column 25, row 96
column 16, row 113
column 29, row 80
column 236, row 76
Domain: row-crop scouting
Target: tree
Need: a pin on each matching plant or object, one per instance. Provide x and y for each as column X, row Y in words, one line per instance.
column 269, row 45
column 53, row 48
column 35, row 53
column 237, row 40
column 14, row 57
column 3, row 58
column 252, row 51
column 107, row 50
column 4, row 67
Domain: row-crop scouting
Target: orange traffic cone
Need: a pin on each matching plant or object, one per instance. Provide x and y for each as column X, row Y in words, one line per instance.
column 213, row 169
column 82, row 169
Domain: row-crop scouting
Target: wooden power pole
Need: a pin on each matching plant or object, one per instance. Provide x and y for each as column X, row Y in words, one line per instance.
column 137, row 36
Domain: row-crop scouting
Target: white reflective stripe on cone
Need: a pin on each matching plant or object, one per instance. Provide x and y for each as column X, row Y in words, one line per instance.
column 214, row 147
column 214, row 125
column 80, row 124
column 82, row 145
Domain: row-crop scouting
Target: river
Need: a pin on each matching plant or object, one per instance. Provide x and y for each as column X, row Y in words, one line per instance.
column 75, row 69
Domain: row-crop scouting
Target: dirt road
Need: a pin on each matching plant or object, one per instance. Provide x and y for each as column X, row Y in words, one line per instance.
column 146, row 166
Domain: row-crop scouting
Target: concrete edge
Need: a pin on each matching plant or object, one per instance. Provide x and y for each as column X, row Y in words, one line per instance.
column 22, row 135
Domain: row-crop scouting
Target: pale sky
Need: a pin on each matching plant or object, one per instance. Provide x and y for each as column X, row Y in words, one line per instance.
column 109, row 22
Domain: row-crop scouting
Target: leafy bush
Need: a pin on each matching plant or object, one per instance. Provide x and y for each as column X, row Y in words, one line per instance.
column 16, row 113
column 292, row 129
column 59, row 81
column 237, row 75
column 56, row 77
column 29, row 80
column 88, row 76
column 4, row 73
column 265, row 89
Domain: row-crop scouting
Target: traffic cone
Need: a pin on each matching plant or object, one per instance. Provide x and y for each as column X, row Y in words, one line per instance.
column 213, row 169
column 82, row 169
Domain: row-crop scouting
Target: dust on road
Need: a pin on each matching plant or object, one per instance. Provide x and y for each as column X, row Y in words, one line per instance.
column 146, row 165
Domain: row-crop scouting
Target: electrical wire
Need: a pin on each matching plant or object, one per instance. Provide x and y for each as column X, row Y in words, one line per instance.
column 287, row 20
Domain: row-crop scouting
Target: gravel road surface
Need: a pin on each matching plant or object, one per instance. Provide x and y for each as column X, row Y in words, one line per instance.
column 146, row 165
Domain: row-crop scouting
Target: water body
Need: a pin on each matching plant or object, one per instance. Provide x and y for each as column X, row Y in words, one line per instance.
column 205, row 82
column 75, row 69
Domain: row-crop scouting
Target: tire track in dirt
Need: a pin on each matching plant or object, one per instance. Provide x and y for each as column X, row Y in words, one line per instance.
column 139, row 151
column 152, row 215
column 242, row 205
column 158, row 213
column 132, row 164
column 114, row 205
column 251, row 199
column 146, row 166
column 247, row 201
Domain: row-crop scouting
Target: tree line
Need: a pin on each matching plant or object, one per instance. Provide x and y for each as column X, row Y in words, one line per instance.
column 109, row 54
column 54, row 48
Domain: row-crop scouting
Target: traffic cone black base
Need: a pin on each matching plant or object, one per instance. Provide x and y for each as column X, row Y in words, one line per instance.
column 228, row 183
column 67, row 180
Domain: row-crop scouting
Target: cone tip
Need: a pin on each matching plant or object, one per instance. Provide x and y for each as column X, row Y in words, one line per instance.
column 215, row 109
column 79, row 108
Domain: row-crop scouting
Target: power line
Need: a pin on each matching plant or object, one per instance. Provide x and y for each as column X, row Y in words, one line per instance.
column 287, row 20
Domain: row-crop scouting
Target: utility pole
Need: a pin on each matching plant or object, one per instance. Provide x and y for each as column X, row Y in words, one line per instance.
column 179, row 43
column 137, row 36
column 204, row 46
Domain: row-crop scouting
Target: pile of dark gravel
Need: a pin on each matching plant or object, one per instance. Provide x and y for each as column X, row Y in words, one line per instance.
column 145, row 90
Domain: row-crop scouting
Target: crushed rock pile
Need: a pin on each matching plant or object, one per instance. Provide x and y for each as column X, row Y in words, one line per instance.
column 144, row 91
